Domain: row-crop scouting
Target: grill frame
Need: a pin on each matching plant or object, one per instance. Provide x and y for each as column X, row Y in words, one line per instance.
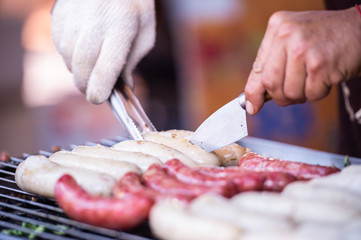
column 20, row 211
column 46, row 208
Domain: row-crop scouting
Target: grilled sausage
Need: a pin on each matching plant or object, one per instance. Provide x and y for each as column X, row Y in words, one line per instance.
column 277, row 181
column 219, row 208
column 130, row 183
column 102, row 165
column 244, row 180
column 133, row 183
column 161, row 151
column 297, row 210
column 196, row 153
column 247, row 180
column 176, row 133
column 257, row 162
column 157, row 178
column 338, row 196
column 116, row 213
column 194, row 177
column 38, row 175
column 231, row 154
column 348, row 180
column 172, row 220
column 142, row 160
column 228, row 155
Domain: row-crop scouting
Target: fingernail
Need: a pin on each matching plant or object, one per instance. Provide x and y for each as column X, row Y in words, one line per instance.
column 249, row 108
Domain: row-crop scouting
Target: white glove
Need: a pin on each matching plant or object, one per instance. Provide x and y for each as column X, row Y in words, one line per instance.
column 100, row 39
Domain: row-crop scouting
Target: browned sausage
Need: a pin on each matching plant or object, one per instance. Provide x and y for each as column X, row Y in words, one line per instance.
column 247, row 180
column 133, row 183
column 157, row 178
column 123, row 212
column 277, row 181
column 301, row 171
column 244, row 180
column 193, row 176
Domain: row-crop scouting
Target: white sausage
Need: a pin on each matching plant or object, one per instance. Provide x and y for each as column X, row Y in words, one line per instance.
column 306, row 191
column 231, row 154
column 348, row 180
column 176, row 133
column 294, row 209
column 117, row 169
column 196, row 153
column 217, row 207
column 353, row 169
column 161, row 151
column 275, row 235
column 142, row 160
column 171, row 220
column 38, row 175
column 228, row 155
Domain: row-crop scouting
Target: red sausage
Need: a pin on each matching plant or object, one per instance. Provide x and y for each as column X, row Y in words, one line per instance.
column 301, row 171
column 244, row 180
column 248, row 180
column 157, row 178
column 122, row 213
column 277, row 181
column 132, row 183
column 190, row 175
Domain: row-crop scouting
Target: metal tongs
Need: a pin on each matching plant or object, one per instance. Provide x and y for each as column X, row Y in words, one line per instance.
column 129, row 112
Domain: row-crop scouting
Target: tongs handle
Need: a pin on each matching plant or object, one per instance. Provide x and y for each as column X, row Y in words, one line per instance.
column 129, row 112
column 136, row 111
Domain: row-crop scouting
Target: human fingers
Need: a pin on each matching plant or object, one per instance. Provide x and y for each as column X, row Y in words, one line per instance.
column 255, row 89
column 318, row 79
column 273, row 74
column 295, row 74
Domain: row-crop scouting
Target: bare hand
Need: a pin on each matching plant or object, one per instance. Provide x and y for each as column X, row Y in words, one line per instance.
column 303, row 54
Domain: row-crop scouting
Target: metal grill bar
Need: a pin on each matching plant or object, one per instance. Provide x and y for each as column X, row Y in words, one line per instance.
column 7, row 172
column 19, row 209
column 36, row 204
column 35, row 222
column 7, row 180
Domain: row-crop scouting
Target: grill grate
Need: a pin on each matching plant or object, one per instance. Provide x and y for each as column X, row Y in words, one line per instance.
column 28, row 216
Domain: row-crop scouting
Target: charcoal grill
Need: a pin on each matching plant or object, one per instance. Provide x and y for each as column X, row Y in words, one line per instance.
column 27, row 216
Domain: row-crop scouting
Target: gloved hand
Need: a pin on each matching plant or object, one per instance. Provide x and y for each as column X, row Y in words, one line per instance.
column 303, row 54
column 100, row 39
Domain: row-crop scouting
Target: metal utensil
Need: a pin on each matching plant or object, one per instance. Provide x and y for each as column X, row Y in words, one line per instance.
column 227, row 125
column 129, row 112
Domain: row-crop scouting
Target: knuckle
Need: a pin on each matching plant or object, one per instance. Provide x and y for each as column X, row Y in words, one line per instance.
column 285, row 29
column 282, row 101
column 298, row 50
column 336, row 77
column 316, row 90
column 269, row 83
column 294, row 95
column 291, row 94
column 276, row 19
column 316, row 63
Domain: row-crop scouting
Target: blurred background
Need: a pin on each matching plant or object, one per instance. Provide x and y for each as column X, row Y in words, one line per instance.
column 204, row 53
